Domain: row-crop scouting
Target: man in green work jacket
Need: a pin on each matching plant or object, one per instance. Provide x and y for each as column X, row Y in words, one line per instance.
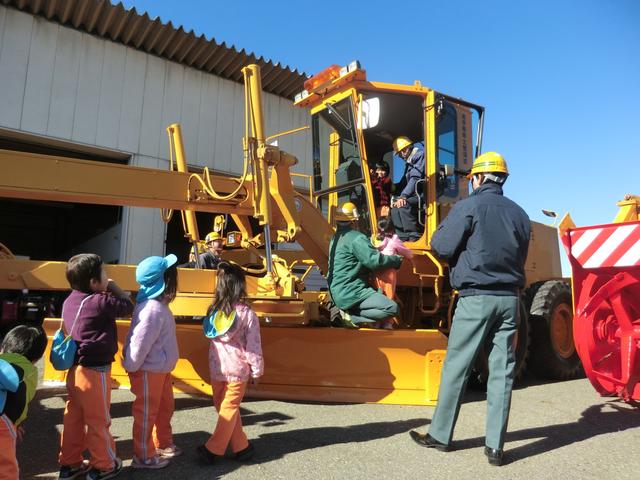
column 352, row 258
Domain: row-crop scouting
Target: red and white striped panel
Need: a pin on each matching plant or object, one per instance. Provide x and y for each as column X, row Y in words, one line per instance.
column 616, row 245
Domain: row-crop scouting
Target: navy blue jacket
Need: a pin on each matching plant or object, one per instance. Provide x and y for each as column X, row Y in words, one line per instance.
column 485, row 239
column 413, row 171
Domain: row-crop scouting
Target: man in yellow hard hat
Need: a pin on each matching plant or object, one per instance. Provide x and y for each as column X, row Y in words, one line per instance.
column 351, row 260
column 214, row 244
column 404, row 208
column 485, row 239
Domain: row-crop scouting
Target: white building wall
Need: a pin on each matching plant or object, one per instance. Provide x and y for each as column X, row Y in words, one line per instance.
column 65, row 84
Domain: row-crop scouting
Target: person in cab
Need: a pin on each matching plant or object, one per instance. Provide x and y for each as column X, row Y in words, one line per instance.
column 404, row 208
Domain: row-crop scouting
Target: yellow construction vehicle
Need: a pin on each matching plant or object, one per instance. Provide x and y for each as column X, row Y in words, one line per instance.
column 353, row 123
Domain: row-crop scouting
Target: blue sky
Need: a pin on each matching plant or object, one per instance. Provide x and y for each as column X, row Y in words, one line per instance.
column 560, row 80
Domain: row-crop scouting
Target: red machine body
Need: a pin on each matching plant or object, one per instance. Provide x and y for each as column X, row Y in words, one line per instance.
column 605, row 263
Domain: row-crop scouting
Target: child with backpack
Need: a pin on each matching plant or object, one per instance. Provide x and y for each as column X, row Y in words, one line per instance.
column 89, row 315
column 235, row 357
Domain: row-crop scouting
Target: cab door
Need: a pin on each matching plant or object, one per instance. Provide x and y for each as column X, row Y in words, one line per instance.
column 337, row 151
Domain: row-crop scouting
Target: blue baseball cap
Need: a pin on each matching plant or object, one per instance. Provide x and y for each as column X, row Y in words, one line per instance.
column 150, row 276
column 9, row 381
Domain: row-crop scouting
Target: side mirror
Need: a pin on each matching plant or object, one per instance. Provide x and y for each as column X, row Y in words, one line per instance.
column 369, row 113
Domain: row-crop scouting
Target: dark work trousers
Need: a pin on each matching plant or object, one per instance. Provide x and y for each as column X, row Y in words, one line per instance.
column 478, row 320
column 405, row 220
column 374, row 308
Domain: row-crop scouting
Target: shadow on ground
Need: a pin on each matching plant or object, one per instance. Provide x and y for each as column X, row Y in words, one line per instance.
column 38, row 453
column 276, row 445
column 592, row 422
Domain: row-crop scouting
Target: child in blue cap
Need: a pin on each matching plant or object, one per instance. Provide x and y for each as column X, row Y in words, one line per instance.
column 150, row 354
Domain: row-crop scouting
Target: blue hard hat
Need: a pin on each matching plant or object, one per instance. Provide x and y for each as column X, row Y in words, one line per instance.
column 9, row 381
column 150, row 276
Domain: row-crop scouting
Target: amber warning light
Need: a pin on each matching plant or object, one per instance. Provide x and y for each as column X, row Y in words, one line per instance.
column 325, row 77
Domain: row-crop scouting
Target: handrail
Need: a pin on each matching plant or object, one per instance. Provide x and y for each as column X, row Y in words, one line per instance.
column 287, row 132
column 338, row 188
column 310, row 177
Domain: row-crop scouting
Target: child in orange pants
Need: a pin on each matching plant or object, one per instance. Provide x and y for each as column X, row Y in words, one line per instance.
column 86, row 423
column 150, row 354
column 235, row 356
column 89, row 314
column 386, row 280
column 21, row 348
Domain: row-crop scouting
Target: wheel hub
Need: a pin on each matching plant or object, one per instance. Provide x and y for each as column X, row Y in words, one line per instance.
column 561, row 334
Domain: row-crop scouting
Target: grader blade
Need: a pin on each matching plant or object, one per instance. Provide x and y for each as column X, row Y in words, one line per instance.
column 322, row 364
column 605, row 262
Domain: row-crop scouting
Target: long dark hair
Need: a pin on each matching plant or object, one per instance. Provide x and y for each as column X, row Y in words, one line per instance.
column 231, row 288
column 385, row 228
column 170, row 283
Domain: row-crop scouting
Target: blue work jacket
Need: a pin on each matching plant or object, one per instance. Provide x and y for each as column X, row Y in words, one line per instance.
column 414, row 168
column 485, row 239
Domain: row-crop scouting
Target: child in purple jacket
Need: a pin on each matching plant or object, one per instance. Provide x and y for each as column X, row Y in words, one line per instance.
column 150, row 354
column 89, row 314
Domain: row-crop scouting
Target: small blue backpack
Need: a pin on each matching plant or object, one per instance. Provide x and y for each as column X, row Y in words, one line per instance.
column 217, row 324
column 64, row 347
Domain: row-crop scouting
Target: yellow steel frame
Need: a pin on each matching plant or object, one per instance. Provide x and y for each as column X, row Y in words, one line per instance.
column 629, row 211
column 43, row 177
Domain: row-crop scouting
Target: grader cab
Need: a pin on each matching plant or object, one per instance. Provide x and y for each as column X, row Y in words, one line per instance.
column 353, row 123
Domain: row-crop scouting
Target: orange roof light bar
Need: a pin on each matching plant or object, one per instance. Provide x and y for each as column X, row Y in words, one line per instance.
column 325, row 79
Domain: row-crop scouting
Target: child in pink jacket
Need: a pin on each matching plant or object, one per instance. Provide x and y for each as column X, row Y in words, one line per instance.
column 390, row 245
column 150, row 354
column 235, row 356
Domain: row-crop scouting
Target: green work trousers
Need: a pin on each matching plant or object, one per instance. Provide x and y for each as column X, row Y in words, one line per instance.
column 374, row 308
column 480, row 319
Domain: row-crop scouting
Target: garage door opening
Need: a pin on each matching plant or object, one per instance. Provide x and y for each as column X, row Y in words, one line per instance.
column 37, row 230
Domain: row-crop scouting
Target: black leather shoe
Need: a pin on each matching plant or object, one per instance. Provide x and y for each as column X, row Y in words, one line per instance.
column 426, row 440
column 494, row 455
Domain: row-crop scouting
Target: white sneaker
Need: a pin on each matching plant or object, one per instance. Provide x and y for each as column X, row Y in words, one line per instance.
column 153, row 463
column 169, row 452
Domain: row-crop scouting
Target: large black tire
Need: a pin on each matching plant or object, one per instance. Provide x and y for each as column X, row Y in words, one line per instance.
column 480, row 371
column 553, row 353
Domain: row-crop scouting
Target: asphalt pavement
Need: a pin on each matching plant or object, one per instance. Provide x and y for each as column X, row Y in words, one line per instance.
column 557, row 430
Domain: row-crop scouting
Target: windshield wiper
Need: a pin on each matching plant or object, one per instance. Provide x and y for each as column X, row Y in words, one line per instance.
column 333, row 111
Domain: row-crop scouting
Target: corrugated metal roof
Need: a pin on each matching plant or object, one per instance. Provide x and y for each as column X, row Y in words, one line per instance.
column 116, row 23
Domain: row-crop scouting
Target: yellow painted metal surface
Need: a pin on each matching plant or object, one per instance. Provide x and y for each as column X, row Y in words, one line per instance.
column 432, row 169
column 629, row 211
column 43, row 177
column 43, row 275
column 323, row 364
column 176, row 145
